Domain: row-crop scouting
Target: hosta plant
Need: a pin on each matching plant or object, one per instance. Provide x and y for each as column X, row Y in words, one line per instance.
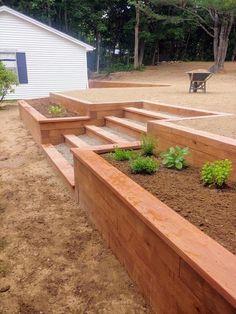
column 148, row 144
column 174, row 157
column 147, row 165
column 216, row 173
column 122, row 154
column 56, row 110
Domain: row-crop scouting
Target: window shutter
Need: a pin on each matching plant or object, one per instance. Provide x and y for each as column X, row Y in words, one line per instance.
column 22, row 68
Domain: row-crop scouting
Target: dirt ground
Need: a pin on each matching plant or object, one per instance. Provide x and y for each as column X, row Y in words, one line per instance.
column 51, row 259
column 220, row 96
column 178, row 188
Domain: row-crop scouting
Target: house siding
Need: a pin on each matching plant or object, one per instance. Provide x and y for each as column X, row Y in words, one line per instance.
column 54, row 64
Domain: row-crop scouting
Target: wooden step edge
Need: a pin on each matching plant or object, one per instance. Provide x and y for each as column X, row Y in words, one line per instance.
column 110, row 147
column 112, row 138
column 73, row 141
column 64, row 168
column 128, row 124
column 144, row 112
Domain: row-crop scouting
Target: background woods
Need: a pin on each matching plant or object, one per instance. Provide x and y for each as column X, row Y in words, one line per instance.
column 130, row 33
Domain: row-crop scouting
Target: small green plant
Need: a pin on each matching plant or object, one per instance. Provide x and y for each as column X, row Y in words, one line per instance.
column 122, row 154
column 8, row 79
column 56, row 110
column 216, row 173
column 144, row 165
column 148, row 144
column 174, row 157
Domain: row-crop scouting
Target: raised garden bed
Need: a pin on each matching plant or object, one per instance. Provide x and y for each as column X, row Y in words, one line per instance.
column 178, row 268
column 211, row 210
column 44, row 109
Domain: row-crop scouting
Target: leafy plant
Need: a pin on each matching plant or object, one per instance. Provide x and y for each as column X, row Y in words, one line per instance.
column 217, row 172
column 121, row 154
column 56, row 110
column 174, row 157
column 148, row 144
column 144, row 165
column 8, row 79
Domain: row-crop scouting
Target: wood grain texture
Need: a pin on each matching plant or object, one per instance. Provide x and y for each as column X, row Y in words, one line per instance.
column 177, row 267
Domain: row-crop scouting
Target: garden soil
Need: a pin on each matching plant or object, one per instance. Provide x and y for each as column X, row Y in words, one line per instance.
column 52, row 260
column 44, row 110
column 211, row 210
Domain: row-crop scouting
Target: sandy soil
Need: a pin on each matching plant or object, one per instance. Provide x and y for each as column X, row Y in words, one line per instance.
column 220, row 96
column 51, row 259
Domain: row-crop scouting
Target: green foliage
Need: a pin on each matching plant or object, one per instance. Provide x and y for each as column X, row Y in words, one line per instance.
column 148, row 144
column 122, row 154
column 56, row 110
column 174, row 157
column 7, row 80
column 216, row 173
column 147, row 165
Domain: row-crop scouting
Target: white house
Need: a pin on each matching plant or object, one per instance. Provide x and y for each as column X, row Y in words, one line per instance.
column 44, row 59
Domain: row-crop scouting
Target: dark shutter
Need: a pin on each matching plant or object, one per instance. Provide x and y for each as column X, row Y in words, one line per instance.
column 22, row 68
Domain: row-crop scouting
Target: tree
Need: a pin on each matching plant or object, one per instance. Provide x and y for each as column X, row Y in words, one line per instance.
column 216, row 18
column 7, row 80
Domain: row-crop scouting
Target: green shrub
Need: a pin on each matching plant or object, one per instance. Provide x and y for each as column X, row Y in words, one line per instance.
column 174, row 157
column 120, row 67
column 144, row 165
column 56, row 110
column 8, row 79
column 216, row 173
column 148, row 144
column 122, row 154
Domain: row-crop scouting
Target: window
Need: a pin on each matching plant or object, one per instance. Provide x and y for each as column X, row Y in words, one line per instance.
column 9, row 60
column 16, row 61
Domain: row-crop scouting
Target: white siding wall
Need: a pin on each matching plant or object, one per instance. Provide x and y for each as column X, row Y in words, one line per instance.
column 53, row 63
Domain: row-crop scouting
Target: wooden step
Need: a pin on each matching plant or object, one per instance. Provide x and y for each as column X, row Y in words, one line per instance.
column 129, row 127
column 74, row 141
column 64, row 168
column 104, row 134
column 144, row 115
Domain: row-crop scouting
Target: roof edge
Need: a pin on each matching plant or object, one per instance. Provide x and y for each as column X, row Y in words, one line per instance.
column 5, row 8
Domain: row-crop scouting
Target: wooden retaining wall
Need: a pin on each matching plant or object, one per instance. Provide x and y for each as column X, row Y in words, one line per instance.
column 177, row 267
column 118, row 84
column 204, row 146
column 51, row 130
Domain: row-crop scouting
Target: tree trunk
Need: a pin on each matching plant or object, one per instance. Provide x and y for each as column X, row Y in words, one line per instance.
column 136, row 37
column 141, row 53
column 222, row 28
column 66, row 17
column 98, row 49
column 234, row 51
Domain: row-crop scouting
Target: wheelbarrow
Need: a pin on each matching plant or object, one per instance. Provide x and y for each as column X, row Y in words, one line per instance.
column 198, row 79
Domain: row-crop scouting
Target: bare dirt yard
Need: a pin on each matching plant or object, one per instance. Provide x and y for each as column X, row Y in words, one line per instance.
column 220, row 96
column 52, row 260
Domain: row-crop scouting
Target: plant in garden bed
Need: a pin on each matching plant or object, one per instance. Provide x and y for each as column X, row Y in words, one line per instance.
column 122, row 154
column 56, row 110
column 148, row 144
column 174, row 157
column 147, row 165
column 216, row 173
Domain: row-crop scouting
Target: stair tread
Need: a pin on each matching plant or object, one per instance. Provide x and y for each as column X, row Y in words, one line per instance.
column 151, row 113
column 128, row 123
column 104, row 133
column 75, row 140
column 64, row 167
